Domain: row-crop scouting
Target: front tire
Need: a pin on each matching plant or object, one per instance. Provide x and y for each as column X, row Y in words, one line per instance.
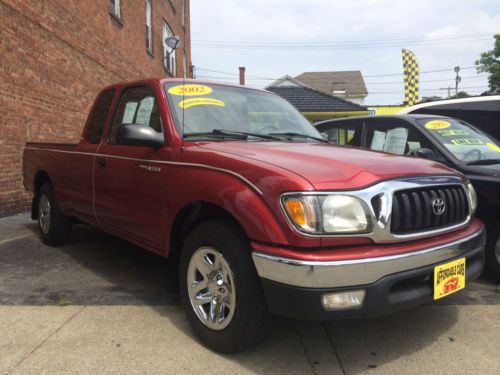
column 220, row 289
column 493, row 251
column 54, row 226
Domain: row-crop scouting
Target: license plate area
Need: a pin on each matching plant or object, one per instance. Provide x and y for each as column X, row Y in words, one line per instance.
column 449, row 278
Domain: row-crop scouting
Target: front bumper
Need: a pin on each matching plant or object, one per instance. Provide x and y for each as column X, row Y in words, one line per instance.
column 295, row 288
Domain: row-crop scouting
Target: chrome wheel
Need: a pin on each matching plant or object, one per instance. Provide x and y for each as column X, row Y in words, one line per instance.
column 44, row 214
column 497, row 251
column 211, row 288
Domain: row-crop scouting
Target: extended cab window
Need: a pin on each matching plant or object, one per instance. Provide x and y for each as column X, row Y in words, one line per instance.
column 98, row 118
column 344, row 133
column 137, row 106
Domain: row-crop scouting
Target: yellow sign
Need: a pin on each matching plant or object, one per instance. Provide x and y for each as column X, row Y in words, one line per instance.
column 190, row 90
column 201, row 101
column 493, row 146
column 449, row 278
column 467, row 141
column 451, row 132
column 437, row 124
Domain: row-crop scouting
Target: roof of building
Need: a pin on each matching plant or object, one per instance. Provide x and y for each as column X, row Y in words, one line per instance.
column 308, row 99
column 351, row 82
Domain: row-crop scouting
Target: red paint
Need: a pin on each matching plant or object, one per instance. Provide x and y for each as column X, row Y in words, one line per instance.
column 450, row 285
column 244, row 178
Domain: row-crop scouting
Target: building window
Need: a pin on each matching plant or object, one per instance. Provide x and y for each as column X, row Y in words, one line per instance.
column 115, row 8
column 183, row 13
column 184, row 64
column 149, row 28
column 168, row 53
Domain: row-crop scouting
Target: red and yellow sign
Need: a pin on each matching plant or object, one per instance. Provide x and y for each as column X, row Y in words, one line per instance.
column 190, row 90
column 449, row 278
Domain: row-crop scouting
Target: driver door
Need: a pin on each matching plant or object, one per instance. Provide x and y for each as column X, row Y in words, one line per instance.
column 129, row 179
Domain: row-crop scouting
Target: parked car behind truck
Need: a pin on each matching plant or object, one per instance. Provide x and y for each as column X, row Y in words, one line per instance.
column 257, row 211
column 450, row 141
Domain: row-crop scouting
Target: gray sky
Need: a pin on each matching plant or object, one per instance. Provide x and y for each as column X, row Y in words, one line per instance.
column 442, row 33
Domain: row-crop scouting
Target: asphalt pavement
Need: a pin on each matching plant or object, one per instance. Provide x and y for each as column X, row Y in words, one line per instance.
column 101, row 305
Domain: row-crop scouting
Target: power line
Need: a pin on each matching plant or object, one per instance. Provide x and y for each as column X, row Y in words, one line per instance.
column 256, row 77
column 341, row 45
column 294, row 44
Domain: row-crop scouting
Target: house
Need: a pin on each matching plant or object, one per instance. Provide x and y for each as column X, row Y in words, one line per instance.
column 345, row 84
column 57, row 55
column 314, row 104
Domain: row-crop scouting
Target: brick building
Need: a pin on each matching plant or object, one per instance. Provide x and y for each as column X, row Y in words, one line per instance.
column 55, row 55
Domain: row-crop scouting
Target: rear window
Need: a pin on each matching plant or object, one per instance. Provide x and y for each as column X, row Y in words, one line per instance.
column 98, row 117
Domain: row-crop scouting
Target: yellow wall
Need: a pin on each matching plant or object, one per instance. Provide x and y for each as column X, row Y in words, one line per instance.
column 385, row 109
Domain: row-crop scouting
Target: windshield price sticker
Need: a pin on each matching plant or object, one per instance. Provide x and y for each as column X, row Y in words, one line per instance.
column 493, row 146
column 437, row 124
column 201, row 101
column 190, row 90
column 451, row 133
column 467, row 141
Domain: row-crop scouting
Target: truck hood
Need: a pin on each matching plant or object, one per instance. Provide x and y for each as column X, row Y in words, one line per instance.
column 328, row 166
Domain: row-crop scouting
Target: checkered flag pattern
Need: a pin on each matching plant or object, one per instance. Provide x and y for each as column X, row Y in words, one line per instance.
column 411, row 77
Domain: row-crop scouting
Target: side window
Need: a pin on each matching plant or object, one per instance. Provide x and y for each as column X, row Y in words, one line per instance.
column 395, row 138
column 345, row 133
column 98, row 117
column 137, row 106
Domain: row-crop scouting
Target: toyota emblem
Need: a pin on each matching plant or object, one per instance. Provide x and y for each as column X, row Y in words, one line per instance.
column 438, row 206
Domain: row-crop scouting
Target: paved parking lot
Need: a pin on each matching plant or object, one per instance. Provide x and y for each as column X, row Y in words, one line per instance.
column 99, row 305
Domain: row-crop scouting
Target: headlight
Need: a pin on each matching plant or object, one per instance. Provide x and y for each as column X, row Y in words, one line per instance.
column 327, row 214
column 471, row 192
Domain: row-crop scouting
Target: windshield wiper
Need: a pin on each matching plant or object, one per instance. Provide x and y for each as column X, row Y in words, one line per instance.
column 231, row 133
column 300, row 135
column 216, row 133
column 484, row 162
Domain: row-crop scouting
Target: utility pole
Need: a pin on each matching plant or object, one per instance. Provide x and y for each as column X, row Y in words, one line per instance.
column 448, row 89
column 458, row 79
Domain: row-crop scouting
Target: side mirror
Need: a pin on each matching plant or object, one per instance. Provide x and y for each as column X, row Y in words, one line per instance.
column 325, row 136
column 427, row 153
column 139, row 135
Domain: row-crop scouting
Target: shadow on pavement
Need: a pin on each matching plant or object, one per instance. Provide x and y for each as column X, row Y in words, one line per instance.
column 98, row 269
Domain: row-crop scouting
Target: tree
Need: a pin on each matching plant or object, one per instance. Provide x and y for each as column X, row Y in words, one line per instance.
column 427, row 99
column 461, row 94
column 489, row 62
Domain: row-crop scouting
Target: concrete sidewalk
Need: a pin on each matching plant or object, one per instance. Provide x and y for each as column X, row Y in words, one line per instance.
column 97, row 305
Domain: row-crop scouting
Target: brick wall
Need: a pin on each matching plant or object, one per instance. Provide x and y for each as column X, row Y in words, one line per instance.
column 55, row 55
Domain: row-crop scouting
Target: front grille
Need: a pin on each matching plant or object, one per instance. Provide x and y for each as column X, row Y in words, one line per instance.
column 413, row 212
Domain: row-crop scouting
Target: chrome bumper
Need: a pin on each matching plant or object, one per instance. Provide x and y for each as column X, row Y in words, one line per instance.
column 346, row 273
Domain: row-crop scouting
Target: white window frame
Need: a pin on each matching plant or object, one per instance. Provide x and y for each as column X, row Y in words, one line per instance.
column 149, row 26
column 115, row 9
column 168, row 53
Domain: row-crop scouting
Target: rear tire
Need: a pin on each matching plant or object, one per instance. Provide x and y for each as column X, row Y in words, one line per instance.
column 220, row 289
column 54, row 226
column 493, row 251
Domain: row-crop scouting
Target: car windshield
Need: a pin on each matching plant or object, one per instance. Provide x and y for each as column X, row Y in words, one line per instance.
column 219, row 111
column 465, row 142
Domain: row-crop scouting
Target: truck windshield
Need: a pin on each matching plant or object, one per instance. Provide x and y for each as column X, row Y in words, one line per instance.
column 465, row 142
column 212, row 110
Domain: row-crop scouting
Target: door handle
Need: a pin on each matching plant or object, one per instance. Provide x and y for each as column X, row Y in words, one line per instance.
column 102, row 162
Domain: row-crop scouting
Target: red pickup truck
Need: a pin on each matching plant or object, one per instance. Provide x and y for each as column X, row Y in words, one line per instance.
column 259, row 213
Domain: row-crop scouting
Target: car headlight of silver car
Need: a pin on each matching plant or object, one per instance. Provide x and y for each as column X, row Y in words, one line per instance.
column 471, row 193
column 327, row 214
